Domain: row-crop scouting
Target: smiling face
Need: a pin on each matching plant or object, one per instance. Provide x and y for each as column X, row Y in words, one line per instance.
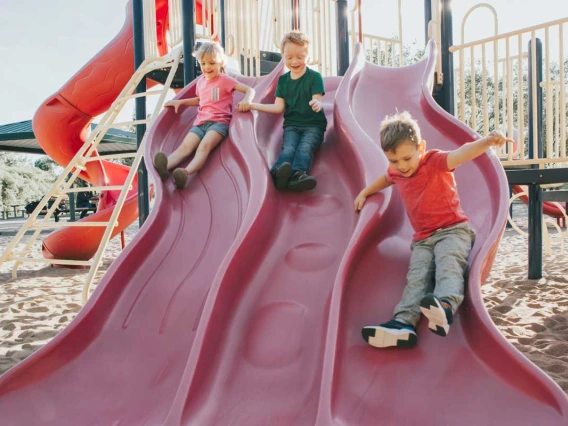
column 295, row 59
column 210, row 66
column 405, row 158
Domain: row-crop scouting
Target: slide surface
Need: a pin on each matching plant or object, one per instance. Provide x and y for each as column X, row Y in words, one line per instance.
column 239, row 305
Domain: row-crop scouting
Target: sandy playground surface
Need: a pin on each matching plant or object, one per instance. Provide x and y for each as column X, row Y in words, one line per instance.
column 531, row 314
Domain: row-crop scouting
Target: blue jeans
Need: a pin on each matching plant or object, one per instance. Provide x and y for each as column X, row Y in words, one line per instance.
column 299, row 146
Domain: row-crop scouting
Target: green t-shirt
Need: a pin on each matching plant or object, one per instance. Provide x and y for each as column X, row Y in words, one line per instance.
column 297, row 95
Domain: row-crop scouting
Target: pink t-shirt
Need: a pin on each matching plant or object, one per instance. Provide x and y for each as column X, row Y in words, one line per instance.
column 430, row 195
column 215, row 99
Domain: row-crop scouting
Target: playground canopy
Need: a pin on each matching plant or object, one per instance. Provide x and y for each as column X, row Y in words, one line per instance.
column 19, row 137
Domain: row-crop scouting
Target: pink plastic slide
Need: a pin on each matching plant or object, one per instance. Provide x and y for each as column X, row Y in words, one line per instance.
column 239, row 305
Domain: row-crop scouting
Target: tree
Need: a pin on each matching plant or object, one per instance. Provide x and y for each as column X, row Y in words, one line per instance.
column 46, row 164
column 21, row 182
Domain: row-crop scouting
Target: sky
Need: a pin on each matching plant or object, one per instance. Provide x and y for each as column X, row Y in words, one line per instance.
column 44, row 43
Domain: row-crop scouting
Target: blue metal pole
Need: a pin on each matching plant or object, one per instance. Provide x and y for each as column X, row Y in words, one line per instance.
column 138, row 32
column 444, row 96
column 427, row 17
column 222, row 29
column 535, row 202
column 342, row 37
column 188, row 14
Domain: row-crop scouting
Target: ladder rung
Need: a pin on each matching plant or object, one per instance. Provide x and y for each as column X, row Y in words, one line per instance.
column 51, row 261
column 128, row 123
column 63, row 225
column 110, row 157
column 139, row 95
column 92, row 188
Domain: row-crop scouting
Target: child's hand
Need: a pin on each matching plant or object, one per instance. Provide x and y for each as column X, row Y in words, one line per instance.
column 316, row 105
column 496, row 138
column 243, row 107
column 359, row 201
column 174, row 104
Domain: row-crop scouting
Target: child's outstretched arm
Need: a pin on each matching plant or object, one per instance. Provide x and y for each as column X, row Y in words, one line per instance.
column 177, row 104
column 244, row 105
column 276, row 108
column 378, row 185
column 472, row 150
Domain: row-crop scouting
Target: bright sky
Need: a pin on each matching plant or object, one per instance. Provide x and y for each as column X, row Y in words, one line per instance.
column 43, row 43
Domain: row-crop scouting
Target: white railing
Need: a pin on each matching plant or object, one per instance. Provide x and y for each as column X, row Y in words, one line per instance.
column 385, row 51
column 242, row 34
column 150, row 34
column 492, row 88
column 175, row 33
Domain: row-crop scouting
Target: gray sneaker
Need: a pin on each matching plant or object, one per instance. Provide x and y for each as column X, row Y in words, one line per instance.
column 281, row 175
column 300, row 181
column 180, row 178
column 161, row 165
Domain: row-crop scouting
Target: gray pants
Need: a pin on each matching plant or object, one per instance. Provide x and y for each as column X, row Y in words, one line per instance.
column 442, row 256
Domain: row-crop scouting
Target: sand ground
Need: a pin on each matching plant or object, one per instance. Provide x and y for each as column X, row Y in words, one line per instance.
column 531, row 314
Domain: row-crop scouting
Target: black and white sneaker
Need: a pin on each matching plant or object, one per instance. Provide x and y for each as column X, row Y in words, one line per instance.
column 281, row 175
column 300, row 181
column 392, row 333
column 439, row 316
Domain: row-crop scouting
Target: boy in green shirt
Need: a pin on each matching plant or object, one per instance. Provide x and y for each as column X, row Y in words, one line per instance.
column 299, row 95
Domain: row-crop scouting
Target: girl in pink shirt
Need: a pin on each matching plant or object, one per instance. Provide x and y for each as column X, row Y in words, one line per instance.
column 215, row 99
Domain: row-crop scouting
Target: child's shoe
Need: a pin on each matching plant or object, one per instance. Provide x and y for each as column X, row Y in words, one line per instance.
column 300, row 181
column 180, row 178
column 161, row 165
column 392, row 333
column 440, row 317
column 281, row 175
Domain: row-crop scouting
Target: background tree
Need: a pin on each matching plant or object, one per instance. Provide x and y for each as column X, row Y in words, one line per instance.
column 22, row 182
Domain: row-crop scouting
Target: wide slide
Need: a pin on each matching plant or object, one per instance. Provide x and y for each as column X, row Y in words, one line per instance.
column 237, row 304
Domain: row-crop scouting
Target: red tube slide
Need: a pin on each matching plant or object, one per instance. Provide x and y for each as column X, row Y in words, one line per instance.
column 61, row 125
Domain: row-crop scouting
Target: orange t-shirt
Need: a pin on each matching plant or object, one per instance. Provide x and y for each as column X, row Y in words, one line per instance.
column 430, row 195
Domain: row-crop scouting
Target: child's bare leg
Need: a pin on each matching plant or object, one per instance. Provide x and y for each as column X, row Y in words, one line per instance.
column 208, row 143
column 187, row 147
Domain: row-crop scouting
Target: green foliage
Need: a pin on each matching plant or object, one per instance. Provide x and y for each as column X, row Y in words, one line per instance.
column 46, row 164
column 21, row 182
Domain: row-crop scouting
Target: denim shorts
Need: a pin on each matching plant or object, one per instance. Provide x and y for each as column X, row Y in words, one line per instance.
column 200, row 130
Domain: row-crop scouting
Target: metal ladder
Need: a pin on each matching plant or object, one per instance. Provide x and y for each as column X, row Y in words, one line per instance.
column 61, row 188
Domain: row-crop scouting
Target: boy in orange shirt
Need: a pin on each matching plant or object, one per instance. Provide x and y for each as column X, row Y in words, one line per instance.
column 443, row 237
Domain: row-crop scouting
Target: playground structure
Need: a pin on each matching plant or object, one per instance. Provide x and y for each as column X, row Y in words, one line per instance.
column 516, row 96
column 205, row 345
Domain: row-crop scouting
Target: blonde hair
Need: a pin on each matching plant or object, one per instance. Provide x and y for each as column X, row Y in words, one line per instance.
column 211, row 49
column 297, row 38
column 399, row 128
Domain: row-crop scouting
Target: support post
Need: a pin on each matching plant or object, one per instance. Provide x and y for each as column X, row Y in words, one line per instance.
column 342, row 37
column 444, row 96
column 138, row 30
column 222, row 29
column 295, row 14
column 188, row 19
column 535, row 233
column 427, row 18
column 71, row 196
column 535, row 201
